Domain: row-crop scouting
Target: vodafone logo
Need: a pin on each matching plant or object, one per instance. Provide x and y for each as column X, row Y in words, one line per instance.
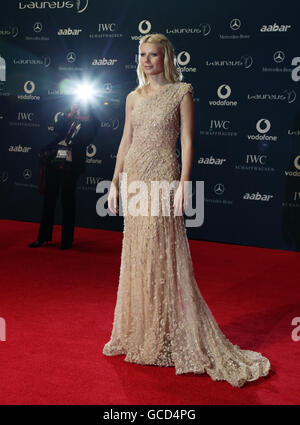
column 91, row 151
column 29, row 87
column 296, row 162
column 224, row 91
column 144, row 27
column 57, row 115
column 183, row 58
column 263, row 126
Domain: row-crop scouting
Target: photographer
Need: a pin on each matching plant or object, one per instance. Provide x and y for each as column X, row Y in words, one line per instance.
column 62, row 161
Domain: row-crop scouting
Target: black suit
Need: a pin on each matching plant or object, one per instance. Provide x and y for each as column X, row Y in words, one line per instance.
column 63, row 176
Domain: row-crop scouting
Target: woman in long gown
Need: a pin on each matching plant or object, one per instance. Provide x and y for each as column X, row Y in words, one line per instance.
column 160, row 316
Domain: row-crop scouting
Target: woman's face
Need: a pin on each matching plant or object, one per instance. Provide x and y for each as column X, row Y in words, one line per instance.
column 152, row 58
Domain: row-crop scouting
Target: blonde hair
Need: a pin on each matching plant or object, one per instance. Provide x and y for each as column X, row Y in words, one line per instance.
column 171, row 72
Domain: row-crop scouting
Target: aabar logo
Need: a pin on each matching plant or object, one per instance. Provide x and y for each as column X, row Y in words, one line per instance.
column 257, row 197
column 211, row 161
column 19, row 148
column 275, row 28
column 104, row 62
column 69, row 31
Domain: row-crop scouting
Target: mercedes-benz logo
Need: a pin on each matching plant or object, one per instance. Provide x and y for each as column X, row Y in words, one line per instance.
column 107, row 87
column 279, row 56
column 235, row 24
column 3, row 176
column 37, row 27
column 219, row 189
column 27, row 174
column 71, row 57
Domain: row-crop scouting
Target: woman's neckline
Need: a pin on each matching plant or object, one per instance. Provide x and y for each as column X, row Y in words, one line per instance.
column 147, row 98
column 157, row 91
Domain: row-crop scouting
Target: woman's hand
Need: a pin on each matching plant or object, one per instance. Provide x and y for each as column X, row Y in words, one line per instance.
column 180, row 200
column 112, row 199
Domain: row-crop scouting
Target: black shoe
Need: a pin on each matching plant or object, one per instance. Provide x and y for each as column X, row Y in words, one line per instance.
column 37, row 244
column 66, row 245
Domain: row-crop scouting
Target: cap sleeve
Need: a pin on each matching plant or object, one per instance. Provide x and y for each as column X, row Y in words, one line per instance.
column 184, row 88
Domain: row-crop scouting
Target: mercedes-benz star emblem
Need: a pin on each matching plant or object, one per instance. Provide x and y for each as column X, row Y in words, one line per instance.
column 219, row 189
column 27, row 174
column 37, row 27
column 71, row 57
column 279, row 56
column 235, row 24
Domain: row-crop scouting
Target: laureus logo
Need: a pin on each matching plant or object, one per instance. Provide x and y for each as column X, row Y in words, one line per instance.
column 78, row 5
column 81, row 5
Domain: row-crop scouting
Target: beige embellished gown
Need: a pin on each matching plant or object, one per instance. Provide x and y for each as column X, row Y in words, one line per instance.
column 160, row 316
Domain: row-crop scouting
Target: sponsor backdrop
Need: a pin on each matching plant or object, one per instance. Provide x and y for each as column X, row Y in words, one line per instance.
column 243, row 61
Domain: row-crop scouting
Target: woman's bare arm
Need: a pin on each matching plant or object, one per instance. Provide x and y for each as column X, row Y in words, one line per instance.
column 126, row 138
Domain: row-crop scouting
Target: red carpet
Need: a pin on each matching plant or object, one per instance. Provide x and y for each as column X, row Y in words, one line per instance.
column 58, row 307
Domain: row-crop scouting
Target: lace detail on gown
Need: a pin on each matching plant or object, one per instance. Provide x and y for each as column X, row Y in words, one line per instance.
column 160, row 316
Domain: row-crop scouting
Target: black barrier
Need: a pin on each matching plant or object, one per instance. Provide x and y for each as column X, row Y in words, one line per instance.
column 243, row 60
